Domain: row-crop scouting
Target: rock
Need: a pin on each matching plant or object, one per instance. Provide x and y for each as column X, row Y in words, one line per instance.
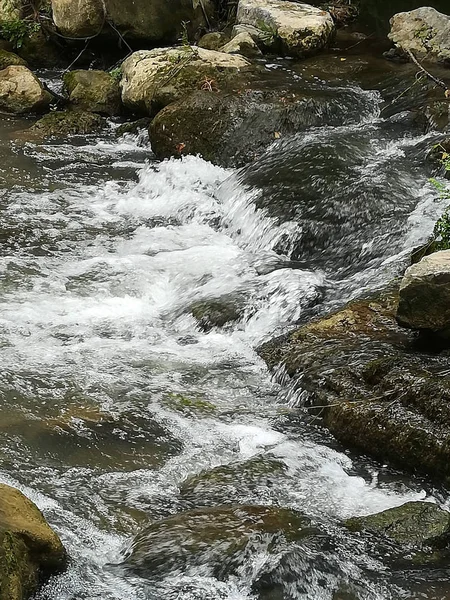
column 214, row 313
column 93, row 91
column 216, row 537
column 64, row 123
column 424, row 301
column 8, row 59
column 229, row 129
column 39, row 51
column 242, row 44
column 78, row 18
column 152, row 79
column 214, row 40
column 296, row 29
column 133, row 127
column 411, row 524
column 424, row 31
column 29, row 548
column 159, row 21
column 375, row 393
column 10, row 10
column 21, row 91
column 230, row 483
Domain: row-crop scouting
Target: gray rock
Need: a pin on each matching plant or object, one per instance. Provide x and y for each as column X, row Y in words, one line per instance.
column 424, row 301
column 293, row 28
column 424, row 31
column 243, row 44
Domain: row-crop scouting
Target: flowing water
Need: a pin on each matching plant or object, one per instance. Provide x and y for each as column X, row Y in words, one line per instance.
column 112, row 395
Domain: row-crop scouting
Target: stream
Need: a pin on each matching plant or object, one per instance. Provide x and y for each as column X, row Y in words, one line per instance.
column 112, row 395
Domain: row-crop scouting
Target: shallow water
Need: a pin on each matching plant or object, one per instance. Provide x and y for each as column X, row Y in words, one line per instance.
column 106, row 375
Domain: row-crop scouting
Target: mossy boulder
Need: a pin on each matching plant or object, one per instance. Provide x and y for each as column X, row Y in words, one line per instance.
column 232, row 482
column 242, row 44
column 216, row 537
column 8, row 59
column 213, row 40
column 152, row 79
column 411, row 524
column 230, row 129
column 40, row 51
column 373, row 386
column 79, row 18
column 21, row 91
column 93, row 91
column 64, row 123
column 133, row 127
column 29, row 548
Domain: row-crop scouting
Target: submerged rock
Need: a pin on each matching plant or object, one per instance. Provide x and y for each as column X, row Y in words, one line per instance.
column 424, row 31
column 216, row 539
column 63, row 123
column 93, row 91
column 152, row 79
column 411, row 524
column 21, row 91
column 296, row 29
column 373, row 389
column 215, row 313
column 29, row 548
column 424, row 301
column 230, row 483
column 133, row 127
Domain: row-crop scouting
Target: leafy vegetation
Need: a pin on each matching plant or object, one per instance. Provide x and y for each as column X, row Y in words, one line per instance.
column 17, row 30
column 116, row 74
column 441, row 233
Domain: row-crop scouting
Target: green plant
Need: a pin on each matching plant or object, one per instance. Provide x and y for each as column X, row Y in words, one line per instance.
column 184, row 34
column 441, row 233
column 116, row 74
column 17, row 31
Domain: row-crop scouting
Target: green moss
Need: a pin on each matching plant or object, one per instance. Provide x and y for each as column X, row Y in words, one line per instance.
column 57, row 124
column 183, row 404
column 8, row 59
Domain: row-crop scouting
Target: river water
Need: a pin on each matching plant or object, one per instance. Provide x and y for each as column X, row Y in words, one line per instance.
column 111, row 394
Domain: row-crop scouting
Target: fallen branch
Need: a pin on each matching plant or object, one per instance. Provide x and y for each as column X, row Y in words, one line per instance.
column 437, row 81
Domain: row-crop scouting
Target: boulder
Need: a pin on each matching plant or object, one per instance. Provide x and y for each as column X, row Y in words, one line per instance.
column 21, row 91
column 214, row 537
column 424, row 301
column 160, row 21
column 296, row 29
column 424, row 31
column 64, row 123
column 230, row 129
column 10, row 10
column 213, row 40
column 29, row 548
column 93, row 91
column 79, row 18
column 363, row 376
column 152, row 79
column 8, row 59
column 243, row 44
column 411, row 524
column 39, row 51
column 133, row 127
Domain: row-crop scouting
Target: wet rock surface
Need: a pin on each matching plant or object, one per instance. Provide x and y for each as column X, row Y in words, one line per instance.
column 21, row 91
column 214, row 538
column 371, row 386
column 63, row 123
column 29, row 548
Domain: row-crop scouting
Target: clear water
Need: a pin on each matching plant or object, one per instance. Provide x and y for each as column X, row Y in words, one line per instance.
column 102, row 253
